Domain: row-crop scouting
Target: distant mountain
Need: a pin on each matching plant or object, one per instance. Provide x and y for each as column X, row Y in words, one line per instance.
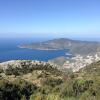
column 74, row 46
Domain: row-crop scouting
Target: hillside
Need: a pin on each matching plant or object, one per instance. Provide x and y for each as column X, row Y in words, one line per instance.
column 74, row 46
column 91, row 70
column 33, row 80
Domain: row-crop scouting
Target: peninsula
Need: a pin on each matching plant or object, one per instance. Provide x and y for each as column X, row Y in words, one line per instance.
column 74, row 46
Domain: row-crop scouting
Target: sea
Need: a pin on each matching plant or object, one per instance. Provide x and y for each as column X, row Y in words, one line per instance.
column 9, row 50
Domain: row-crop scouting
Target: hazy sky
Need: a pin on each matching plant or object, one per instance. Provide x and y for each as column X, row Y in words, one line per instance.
column 22, row 18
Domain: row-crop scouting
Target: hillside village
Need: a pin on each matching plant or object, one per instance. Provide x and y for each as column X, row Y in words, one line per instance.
column 78, row 62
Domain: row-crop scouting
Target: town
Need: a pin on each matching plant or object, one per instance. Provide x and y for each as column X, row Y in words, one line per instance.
column 78, row 62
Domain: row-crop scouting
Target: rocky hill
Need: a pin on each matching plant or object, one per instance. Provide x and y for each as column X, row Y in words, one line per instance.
column 34, row 80
column 20, row 67
column 74, row 46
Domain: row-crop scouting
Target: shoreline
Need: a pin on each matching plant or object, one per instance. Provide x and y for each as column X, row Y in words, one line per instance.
column 39, row 48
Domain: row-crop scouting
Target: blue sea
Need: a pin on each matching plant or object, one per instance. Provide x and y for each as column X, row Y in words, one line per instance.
column 9, row 51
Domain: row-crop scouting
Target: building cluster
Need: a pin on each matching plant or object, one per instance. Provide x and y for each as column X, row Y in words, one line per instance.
column 78, row 62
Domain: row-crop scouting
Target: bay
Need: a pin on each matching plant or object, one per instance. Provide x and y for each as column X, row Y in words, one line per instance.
column 9, row 50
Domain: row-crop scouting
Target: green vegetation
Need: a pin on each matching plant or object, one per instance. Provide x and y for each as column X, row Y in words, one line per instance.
column 47, row 83
column 27, row 67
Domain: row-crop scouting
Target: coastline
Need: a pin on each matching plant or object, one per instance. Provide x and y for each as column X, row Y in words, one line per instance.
column 46, row 49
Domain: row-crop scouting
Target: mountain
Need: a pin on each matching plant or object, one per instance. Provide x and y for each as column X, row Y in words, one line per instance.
column 74, row 46
column 35, row 80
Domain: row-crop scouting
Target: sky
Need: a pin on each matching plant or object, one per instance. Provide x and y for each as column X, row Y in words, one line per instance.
column 50, row 18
